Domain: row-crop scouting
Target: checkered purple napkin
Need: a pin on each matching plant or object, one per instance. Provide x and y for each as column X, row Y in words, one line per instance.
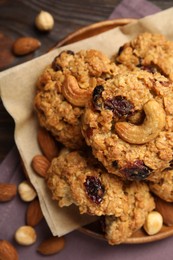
column 134, row 9
column 78, row 245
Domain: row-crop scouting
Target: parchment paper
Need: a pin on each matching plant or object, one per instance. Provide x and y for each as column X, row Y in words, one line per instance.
column 17, row 89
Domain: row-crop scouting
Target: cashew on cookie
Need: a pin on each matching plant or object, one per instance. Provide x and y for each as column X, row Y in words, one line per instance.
column 128, row 124
column 64, row 88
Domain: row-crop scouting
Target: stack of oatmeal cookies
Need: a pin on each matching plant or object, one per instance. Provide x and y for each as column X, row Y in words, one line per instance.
column 114, row 120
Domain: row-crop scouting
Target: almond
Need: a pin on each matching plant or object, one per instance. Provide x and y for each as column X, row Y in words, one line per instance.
column 166, row 210
column 40, row 165
column 7, row 251
column 51, row 246
column 25, row 45
column 7, row 191
column 34, row 213
column 47, row 144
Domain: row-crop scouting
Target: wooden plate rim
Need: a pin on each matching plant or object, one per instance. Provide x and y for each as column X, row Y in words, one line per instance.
column 141, row 237
column 95, row 28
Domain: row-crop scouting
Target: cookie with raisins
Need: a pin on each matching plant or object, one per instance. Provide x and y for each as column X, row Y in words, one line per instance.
column 63, row 89
column 129, row 124
column 79, row 179
column 150, row 52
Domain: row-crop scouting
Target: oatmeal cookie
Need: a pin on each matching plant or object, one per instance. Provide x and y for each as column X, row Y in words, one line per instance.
column 151, row 52
column 129, row 124
column 76, row 178
column 164, row 187
column 140, row 202
column 63, row 89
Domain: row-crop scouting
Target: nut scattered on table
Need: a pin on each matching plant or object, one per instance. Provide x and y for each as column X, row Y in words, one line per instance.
column 8, row 251
column 153, row 223
column 44, row 21
column 7, row 191
column 51, row 246
column 34, row 213
column 25, row 45
column 26, row 191
column 25, row 235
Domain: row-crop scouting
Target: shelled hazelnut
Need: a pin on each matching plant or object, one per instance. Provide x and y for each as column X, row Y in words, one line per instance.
column 44, row 21
column 26, row 191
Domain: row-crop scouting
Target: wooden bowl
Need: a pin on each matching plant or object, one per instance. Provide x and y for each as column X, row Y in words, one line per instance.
column 94, row 229
column 92, row 30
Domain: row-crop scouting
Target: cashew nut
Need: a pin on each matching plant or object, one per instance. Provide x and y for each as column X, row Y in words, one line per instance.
column 150, row 129
column 73, row 93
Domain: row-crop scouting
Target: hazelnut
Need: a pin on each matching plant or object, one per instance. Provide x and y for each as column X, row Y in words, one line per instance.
column 153, row 223
column 25, row 235
column 44, row 21
column 26, row 191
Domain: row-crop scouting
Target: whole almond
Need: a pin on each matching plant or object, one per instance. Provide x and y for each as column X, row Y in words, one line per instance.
column 25, row 45
column 34, row 213
column 7, row 251
column 51, row 246
column 7, row 191
column 47, row 144
column 40, row 165
column 166, row 210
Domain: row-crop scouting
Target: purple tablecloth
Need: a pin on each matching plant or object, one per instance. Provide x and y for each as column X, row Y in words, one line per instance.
column 78, row 245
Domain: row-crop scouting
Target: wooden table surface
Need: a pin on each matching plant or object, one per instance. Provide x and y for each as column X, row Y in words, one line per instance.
column 17, row 19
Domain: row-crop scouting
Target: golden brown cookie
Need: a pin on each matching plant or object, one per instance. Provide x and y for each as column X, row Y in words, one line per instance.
column 64, row 88
column 164, row 187
column 151, row 52
column 79, row 179
column 129, row 124
column 140, row 202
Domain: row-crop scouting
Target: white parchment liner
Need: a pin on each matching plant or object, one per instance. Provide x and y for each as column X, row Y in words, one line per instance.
column 17, row 89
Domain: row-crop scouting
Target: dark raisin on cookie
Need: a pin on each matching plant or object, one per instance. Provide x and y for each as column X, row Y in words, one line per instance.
column 115, row 164
column 97, row 97
column 120, row 50
column 120, row 106
column 136, row 171
column 70, row 52
column 94, row 189
column 55, row 65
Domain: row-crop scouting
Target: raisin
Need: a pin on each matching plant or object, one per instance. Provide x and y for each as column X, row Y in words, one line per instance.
column 89, row 132
column 136, row 171
column 94, row 189
column 120, row 50
column 97, row 97
column 149, row 68
column 115, row 164
column 70, row 52
column 55, row 65
column 120, row 106
column 152, row 68
column 171, row 163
